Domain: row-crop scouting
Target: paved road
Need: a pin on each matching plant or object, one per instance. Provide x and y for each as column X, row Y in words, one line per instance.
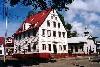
column 58, row 63
column 69, row 63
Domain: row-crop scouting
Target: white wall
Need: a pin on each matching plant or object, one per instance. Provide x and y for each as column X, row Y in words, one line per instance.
column 49, row 40
column 88, row 44
column 2, row 48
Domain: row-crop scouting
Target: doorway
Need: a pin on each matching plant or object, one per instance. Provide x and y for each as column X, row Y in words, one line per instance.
column 55, row 48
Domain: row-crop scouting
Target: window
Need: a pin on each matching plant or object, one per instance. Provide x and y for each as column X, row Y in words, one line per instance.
column 71, row 48
column 24, row 35
column 28, row 34
column 76, row 49
column 58, row 25
column 19, row 48
column 60, row 47
column 54, row 23
column 64, row 46
column 51, row 17
column 59, row 33
column 19, row 36
column 29, row 47
column 48, row 33
column 81, row 47
column 0, row 51
column 43, row 32
column 34, row 32
column 48, row 23
column 44, row 46
column 63, row 33
column 55, row 18
column 34, row 45
column 54, row 33
column 49, row 47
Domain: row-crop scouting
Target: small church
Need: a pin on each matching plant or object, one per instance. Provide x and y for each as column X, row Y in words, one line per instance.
column 41, row 35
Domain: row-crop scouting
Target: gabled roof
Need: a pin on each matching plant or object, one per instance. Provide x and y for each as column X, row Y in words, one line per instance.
column 2, row 40
column 35, row 20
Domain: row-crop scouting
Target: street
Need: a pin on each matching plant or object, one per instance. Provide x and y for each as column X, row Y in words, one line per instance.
column 75, row 62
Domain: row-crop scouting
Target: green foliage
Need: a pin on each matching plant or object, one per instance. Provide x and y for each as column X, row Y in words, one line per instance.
column 68, row 26
column 43, row 4
column 61, row 18
column 74, row 34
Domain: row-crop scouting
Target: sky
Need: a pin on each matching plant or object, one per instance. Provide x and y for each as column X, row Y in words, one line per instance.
column 81, row 14
column 84, row 13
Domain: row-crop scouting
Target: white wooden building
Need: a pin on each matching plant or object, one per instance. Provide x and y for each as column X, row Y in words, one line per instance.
column 42, row 33
column 82, row 45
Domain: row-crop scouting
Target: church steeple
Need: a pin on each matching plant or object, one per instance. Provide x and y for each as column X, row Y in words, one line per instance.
column 86, row 32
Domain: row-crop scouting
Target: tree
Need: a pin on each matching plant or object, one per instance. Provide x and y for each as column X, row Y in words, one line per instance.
column 43, row 4
column 61, row 18
column 68, row 26
column 74, row 34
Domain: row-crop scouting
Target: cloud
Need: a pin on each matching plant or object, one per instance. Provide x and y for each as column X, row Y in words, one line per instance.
column 79, row 4
column 86, row 5
column 78, row 26
column 84, row 13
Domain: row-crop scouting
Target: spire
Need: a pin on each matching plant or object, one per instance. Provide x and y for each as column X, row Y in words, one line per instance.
column 86, row 32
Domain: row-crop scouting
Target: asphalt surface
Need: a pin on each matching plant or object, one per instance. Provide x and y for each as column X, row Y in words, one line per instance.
column 83, row 62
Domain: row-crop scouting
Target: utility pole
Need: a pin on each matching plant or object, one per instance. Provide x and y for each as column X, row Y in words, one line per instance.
column 6, row 23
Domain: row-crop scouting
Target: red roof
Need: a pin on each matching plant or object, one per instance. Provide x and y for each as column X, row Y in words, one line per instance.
column 35, row 20
column 2, row 40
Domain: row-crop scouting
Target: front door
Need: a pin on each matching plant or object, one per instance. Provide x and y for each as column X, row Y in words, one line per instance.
column 55, row 48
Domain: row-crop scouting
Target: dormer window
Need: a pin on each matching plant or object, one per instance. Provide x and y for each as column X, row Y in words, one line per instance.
column 48, row 23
